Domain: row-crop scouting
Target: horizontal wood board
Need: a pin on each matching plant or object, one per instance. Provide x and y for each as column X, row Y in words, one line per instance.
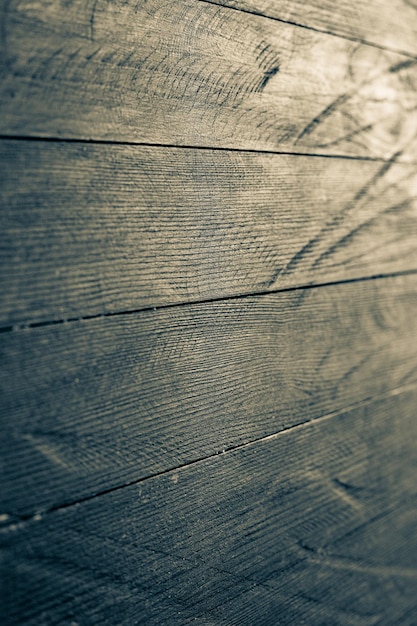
column 391, row 25
column 317, row 525
column 89, row 230
column 94, row 404
column 192, row 73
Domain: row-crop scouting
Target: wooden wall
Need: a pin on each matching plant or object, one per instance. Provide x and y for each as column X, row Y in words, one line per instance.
column 208, row 237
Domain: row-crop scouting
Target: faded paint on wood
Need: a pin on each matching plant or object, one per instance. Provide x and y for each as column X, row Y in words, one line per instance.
column 392, row 25
column 87, row 230
column 92, row 405
column 316, row 526
column 191, row 73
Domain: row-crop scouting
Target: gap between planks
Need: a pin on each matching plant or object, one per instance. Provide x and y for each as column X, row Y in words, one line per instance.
column 17, row 523
column 112, row 142
column 314, row 29
column 22, row 327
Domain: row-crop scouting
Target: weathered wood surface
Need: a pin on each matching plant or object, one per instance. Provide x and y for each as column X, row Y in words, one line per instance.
column 192, row 73
column 94, row 404
column 87, row 230
column 314, row 526
column 392, row 25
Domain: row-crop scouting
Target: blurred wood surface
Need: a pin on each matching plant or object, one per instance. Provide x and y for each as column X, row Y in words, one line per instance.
column 88, row 230
column 193, row 73
column 391, row 25
column 95, row 404
column 317, row 526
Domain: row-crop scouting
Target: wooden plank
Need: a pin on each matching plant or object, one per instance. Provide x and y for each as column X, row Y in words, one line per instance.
column 317, row 525
column 91, row 405
column 90, row 230
column 391, row 25
column 191, row 73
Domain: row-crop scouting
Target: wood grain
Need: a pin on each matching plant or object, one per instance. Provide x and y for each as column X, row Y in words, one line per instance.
column 191, row 73
column 89, row 230
column 391, row 25
column 316, row 526
column 92, row 405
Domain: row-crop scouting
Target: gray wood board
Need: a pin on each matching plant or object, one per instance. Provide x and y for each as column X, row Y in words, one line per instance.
column 391, row 25
column 317, row 526
column 192, row 73
column 94, row 404
column 89, row 230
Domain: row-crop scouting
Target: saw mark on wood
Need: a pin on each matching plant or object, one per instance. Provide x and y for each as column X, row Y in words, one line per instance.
column 335, row 222
column 346, row 239
column 347, row 493
column 386, row 571
column 377, row 80
column 92, row 19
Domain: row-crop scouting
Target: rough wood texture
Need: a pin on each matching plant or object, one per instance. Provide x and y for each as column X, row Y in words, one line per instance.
column 91, row 405
column 392, row 25
column 87, row 230
column 314, row 526
column 239, row 462
column 192, row 73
